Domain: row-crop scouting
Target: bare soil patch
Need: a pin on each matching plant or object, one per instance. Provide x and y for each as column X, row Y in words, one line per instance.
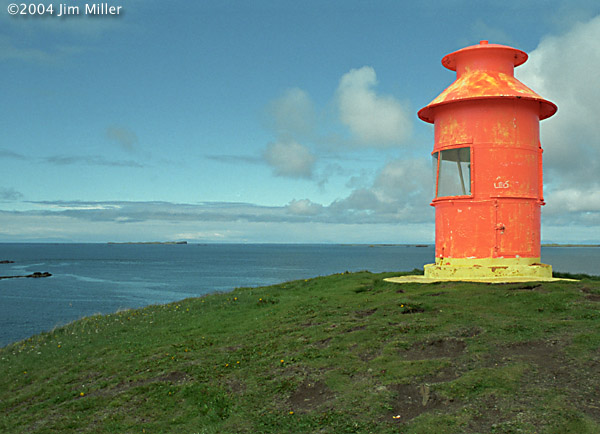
column 310, row 395
column 435, row 349
column 323, row 343
column 468, row 332
column 490, row 413
column 410, row 401
column 355, row 328
column 365, row 313
column 443, row 375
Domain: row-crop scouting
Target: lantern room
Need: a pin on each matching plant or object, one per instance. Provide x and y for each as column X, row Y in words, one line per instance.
column 487, row 160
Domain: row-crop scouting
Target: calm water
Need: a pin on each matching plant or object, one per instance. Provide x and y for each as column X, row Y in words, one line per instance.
column 102, row 278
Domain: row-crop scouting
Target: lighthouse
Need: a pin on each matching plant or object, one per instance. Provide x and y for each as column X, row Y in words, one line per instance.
column 487, row 159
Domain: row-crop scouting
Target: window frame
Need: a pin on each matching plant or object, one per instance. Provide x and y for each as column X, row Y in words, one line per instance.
column 437, row 154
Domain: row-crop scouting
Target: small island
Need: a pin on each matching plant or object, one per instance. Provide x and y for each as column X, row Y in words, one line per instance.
column 149, row 242
column 35, row 275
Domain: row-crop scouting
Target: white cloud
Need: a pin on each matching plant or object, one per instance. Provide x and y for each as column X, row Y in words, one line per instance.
column 290, row 159
column 574, row 200
column 304, row 207
column 406, row 179
column 204, row 236
column 374, row 120
column 400, row 193
column 564, row 69
column 366, row 215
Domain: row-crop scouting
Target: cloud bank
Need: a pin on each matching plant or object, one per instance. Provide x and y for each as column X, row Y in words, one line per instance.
column 65, row 160
column 564, row 69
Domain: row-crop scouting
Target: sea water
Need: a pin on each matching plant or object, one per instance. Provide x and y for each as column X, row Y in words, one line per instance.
column 103, row 278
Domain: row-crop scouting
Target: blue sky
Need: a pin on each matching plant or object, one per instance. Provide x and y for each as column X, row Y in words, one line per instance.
column 271, row 121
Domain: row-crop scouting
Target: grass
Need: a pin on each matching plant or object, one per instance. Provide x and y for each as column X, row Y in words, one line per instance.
column 347, row 353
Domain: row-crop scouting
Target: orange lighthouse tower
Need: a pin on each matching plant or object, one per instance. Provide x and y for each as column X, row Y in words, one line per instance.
column 488, row 163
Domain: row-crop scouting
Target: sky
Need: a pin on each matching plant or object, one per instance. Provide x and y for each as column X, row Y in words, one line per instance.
column 271, row 121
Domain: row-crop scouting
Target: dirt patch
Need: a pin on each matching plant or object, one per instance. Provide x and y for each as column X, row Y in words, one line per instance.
column 355, row 328
column 551, row 368
column 367, row 356
column 310, row 324
column 436, row 294
column 236, row 386
column 587, row 290
column 548, row 365
column 442, row 375
column 587, row 397
column 435, row 349
column 525, row 287
column 412, row 309
column 172, row 377
column 489, row 414
column 592, row 295
column 410, row 401
column 323, row 343
column 468, row 332
column 310, row 395
column 541, row 353
column 365, row 313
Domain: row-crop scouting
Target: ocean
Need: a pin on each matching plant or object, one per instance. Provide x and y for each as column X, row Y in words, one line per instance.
column 103, row 278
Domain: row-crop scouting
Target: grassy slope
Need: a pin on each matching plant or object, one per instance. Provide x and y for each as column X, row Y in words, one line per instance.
column 346, row 353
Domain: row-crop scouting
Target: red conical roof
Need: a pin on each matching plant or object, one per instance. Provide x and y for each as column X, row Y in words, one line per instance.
column 485, row 71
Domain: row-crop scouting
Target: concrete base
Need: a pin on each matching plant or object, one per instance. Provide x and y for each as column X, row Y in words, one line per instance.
column 514, row 279
column 488, row 270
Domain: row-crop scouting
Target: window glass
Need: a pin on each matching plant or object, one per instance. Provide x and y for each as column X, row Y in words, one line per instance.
column 454, row 172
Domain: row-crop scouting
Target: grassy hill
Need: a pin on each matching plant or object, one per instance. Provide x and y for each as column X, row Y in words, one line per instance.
column 347, row 353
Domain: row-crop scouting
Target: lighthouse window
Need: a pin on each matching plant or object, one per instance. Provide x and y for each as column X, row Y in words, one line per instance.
column 453, row 172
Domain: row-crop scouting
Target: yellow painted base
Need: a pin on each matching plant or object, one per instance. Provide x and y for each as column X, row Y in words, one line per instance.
column 487, row 268
column 513, row 279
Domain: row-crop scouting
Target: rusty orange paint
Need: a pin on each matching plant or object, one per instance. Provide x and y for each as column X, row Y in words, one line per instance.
column 489, row 157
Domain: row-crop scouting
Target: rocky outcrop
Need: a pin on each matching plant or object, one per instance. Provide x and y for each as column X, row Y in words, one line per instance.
column 35, row 275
